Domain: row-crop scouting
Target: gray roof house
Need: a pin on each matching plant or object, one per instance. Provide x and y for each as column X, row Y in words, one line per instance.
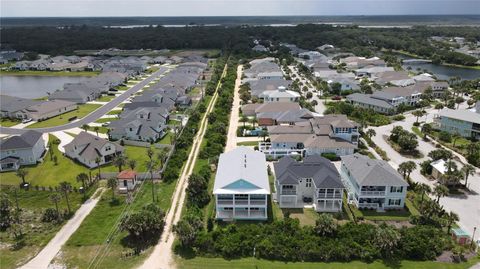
column 79, row 93
column 25, row 149
column 11, row 106
column 315, row 180
column 241, row 185
column 86, row 148
column 142, row 124
column 48, row 109
column 372, row 183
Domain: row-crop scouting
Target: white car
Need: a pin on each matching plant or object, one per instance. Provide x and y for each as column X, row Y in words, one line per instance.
column 26, row 120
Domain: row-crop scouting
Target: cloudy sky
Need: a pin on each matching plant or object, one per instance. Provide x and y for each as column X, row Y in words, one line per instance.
column 68, row 8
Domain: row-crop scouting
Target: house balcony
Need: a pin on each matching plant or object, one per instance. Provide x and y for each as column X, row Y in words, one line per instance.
column 368, row 205
column 329, row 196
column 268, row 150
column 372, row 193
column 332, row 208
column 289, row 192
column 260, row 214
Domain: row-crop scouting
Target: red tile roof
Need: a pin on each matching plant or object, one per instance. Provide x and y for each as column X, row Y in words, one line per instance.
column 127, row 174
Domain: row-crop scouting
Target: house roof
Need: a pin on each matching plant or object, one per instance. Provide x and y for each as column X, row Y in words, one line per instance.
column 242, row 170
column 367, row 99
column 368, row 172
column 12, row 104
column 92, row 144
column 277, row 107
column 321, row 170
column 49, row 106
column 127, row 174
column 462, row 114
column 26, row 140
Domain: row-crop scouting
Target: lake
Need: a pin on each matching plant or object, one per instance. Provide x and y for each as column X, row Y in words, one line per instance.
column 34, row 86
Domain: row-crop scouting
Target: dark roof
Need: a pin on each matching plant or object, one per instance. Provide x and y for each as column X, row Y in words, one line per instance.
column 321, row 170
column 26, row 140
column 9, row 159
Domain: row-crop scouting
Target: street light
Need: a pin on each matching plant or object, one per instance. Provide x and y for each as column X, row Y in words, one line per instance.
column 473, row 236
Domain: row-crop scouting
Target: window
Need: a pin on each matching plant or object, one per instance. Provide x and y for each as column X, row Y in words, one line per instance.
column 125, row 183
column 396, row 189
column 107, row 148
column 287, row 187
column 394, row 201
column 308, row 183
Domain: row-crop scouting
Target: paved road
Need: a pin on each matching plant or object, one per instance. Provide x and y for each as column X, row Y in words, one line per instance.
column 466, row 206
column 95, row 114
column 43, row 259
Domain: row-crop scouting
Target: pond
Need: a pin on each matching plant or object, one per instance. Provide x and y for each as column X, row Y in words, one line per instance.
column 442, row 72
column 34, row 86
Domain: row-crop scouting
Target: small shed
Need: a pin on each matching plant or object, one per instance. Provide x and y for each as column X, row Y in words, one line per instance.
column 127, row 181
column 460, row 236
column 438, row 168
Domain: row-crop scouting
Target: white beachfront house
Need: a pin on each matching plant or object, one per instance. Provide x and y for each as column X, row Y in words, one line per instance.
column 241, row 186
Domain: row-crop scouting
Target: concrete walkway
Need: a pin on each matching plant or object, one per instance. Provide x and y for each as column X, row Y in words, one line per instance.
column 234, row 115
column 43, row 259
column 64, row 139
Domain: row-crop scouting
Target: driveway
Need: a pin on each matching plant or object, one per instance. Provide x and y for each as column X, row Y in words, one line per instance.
column 466, row 206
column 43, row 259
column 64, row 139
column 95, row 114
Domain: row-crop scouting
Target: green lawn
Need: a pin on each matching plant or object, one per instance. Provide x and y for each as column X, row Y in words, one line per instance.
column 106, row 98
column 103, row 120
column 36, row 233
column 8, row 122
column 114, row 112
column 94, row 230
column 81, row 112
column 51, row 73
column 47, row 173
column 248, row 143
column 251, row 263
column 400, row 215
column 138, row 154
column 167, row 139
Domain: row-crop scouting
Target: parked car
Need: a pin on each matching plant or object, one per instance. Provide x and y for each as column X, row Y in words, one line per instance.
column 26, row 120
column 337, row 98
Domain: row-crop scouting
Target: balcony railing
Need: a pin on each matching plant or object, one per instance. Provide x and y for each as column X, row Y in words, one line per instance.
column 372, row 193
column 289, row 192
column 258, row 202
column 225, row 202
column 329, row 196
column 368, row 205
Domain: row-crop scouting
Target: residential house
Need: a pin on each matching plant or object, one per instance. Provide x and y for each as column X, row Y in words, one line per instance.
column 372, row 183
column 328, row 134
column 241, row 187
column 141, row 124
column 48, row 109
column 289, row 117
column 280, row 95
column 86, row 148
column 12, row 107
column 463, row 122
column 252, row 110
column 258, row 86
column 314, row 181
column 126, row 181
column 24, row 149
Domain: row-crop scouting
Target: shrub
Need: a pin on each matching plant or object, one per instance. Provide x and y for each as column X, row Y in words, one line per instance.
column 398, row 117
column 50, row 215
column 445, row 136
column 331, row 156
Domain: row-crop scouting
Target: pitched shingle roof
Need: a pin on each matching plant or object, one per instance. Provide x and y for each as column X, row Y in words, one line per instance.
column 26, row 140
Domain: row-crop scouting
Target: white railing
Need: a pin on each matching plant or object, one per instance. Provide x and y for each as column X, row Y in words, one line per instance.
column 329, row 196
column 372, row 193
column 289, row 192
column 368, row 205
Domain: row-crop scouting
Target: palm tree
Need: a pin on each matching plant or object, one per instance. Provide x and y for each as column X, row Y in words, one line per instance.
column 386, row 239
column 244, row 119
column 98, row 160
column 418, row 114
column 55, row 198
column 65, row 187
column 254, row 120
column 439, row 106
column 455, row 137
column 132, row 164
column 406, row 168
column 82, row 177
column 424, row 189
column 22, row 173
column 370, row 133
column 161, row 155
column 85, row 127
column 440, row 191
column 96, row 129
column 451, row 218
column 112, row 184
column 426, row 129
column 468, row 170
column 120, row 160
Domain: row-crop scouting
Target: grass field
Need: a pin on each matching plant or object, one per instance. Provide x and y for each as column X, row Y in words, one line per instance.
column 93, row 232
column 8, row 122
column 105, row 98
column 114, row 112
column 81, row 112
column 47, row 173
column 248, row 143
column 50, row 73
column 36, row 233
column 251, row 263
column 167, row 139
